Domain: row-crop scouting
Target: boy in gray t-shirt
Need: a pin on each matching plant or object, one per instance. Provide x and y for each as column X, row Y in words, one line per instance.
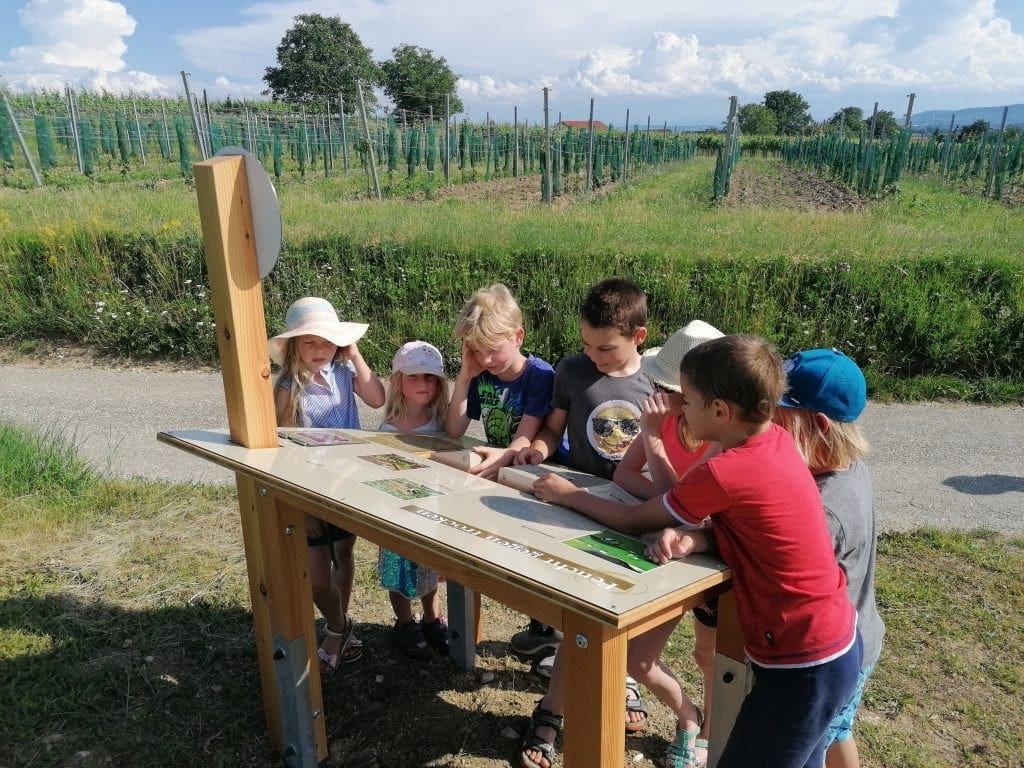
column 597, row 402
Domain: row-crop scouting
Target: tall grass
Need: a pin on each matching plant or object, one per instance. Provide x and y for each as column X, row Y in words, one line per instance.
column 925, row 288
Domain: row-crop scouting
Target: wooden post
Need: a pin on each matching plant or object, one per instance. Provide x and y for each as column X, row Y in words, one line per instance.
column 731, row 678
column 226, row 219
column 273, row 532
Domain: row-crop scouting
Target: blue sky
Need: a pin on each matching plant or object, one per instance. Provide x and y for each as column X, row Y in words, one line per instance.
column 677, row 61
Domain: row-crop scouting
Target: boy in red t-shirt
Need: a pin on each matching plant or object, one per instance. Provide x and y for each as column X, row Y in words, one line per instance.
column 799, row 627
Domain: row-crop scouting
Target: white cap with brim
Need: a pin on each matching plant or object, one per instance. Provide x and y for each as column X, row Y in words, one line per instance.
column 661, row 364
column 313, row 316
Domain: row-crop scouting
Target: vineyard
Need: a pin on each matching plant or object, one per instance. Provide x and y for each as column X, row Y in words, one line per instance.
column 73, row 139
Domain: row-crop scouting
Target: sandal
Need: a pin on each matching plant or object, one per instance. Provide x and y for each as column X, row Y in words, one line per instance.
column 635, row 703
column 702, row 757
column 682, row 752
column 436, row 632
column 351, row 648
column 410, row 639
column 533, row 743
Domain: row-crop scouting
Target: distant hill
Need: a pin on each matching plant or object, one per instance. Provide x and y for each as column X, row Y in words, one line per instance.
column 939, row 118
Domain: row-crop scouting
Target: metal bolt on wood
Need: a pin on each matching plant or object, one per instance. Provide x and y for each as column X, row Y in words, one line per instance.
column 581, row 641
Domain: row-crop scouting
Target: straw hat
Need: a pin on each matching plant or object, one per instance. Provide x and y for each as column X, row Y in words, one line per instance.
column 661, row 364
column 314, row 317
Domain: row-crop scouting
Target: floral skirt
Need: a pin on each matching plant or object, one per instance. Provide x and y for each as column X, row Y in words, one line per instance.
column 399, row 574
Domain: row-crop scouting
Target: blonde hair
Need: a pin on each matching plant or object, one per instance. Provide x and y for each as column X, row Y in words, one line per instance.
column 300, row 377
column 396, row 408
column 824, row 450
column 489, row 317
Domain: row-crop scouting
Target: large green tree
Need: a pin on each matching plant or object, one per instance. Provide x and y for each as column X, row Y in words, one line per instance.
column 886, row 124
column 756, row 120
column 850, row 119
column 417, row 81
column 790, row 110
column 318, row 58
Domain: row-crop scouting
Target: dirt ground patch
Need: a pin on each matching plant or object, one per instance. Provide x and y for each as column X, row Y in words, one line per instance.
column 517, row 193
column 785, row 186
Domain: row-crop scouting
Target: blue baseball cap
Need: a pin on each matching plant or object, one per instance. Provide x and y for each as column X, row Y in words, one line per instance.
column 825, row 381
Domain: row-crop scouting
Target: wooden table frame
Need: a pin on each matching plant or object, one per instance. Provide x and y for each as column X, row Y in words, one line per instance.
column 273, row 510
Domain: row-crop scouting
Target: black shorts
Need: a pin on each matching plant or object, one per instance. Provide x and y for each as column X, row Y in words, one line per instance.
column 328, row 535
column 707, row 613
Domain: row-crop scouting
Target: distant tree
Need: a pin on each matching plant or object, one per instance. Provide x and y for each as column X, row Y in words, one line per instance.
column 975, row 130
column 757, row 120
column 886, row 124
column 850, row 118
column 416, row 81
column 318, row 58
column 791, row 115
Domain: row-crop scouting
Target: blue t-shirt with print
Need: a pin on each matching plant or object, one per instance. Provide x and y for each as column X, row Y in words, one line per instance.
column 501, row 405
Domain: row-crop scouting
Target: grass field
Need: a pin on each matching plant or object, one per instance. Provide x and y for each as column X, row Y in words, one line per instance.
column 126, row 639
column 923, row 288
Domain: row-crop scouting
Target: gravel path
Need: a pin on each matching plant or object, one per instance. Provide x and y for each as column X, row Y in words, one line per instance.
column 949, row 465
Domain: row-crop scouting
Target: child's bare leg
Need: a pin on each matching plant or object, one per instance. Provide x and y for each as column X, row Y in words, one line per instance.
column 643, row 662
column 431, row 603
column 402, row 606
column 704, row 655
column 326, row 595
column 553, row 702
column 345, row 569
column 842, row 754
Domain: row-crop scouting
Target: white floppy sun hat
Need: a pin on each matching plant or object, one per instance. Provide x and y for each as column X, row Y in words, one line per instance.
column 661, row 364
column 313, row 316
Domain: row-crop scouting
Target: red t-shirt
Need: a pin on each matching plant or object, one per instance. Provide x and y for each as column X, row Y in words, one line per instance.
column 771, row 531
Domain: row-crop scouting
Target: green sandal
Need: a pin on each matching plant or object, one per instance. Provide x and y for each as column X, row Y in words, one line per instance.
column 682, row 752
column 532, row 742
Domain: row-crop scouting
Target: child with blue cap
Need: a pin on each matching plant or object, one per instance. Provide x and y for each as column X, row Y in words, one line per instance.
column 825, row 396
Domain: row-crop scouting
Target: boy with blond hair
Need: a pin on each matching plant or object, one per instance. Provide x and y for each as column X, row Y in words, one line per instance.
column 798, row 625
column 509, row 392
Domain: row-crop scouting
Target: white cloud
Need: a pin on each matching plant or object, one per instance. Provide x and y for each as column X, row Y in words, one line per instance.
column 86, row 34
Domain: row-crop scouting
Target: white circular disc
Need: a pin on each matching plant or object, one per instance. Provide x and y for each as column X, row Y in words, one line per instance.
column 266, row 211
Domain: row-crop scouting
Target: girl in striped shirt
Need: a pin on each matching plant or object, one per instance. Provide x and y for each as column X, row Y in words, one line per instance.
column 321, row 373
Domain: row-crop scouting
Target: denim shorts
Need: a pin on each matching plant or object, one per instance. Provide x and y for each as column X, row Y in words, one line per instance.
column 841, row 728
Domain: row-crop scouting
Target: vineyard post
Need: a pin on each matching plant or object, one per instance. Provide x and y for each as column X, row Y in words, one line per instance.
column 369, row 144
column 949, row 146
column 74, row 128
column 664, row 142
column 344, row 133
column 196, row 129
column 547, row 151
column 874, row 119
column 590, row 147
column 447, row 141
column 647, row 142
column 21, row 141
column 329, row 132
column 910, row 111
column 990, row 187
column 515, row 141
column 138, row 130
column 163, row 121
column 625, row 150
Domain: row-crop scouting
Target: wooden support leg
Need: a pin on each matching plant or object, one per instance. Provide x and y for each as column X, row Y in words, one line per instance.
column 732, row 677
column 595, row 735
column 277, row 560
column 463, row 624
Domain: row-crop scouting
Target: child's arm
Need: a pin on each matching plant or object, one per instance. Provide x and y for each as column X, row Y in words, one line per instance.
column 629, row 474
column 496, row 458
column 679, row 542
column 546, row 442
column 646, row 517
column 457, row 421
column 656, row 409
column 366, row 384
